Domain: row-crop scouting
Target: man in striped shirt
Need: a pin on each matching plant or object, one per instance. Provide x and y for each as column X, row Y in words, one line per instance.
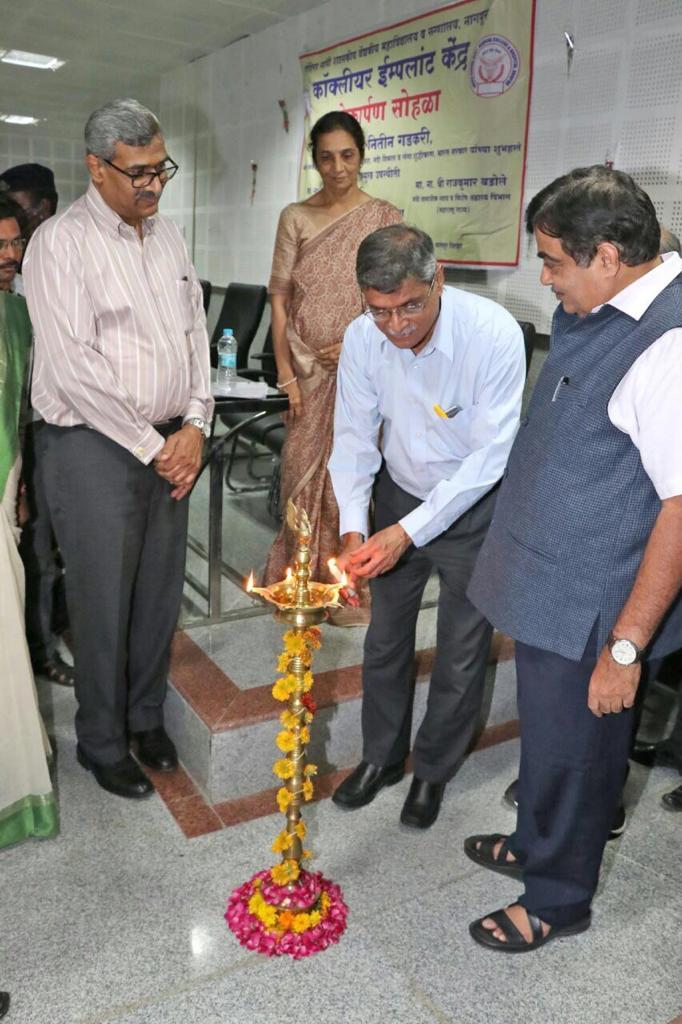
column 122, row 379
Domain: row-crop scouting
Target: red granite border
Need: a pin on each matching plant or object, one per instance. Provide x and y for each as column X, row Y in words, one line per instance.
column 221, row 705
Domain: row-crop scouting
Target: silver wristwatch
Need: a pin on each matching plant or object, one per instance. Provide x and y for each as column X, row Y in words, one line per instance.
column 624, row 652
column 202, row 425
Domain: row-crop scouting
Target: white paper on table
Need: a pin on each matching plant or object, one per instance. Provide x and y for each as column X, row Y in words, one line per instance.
column 241, row 388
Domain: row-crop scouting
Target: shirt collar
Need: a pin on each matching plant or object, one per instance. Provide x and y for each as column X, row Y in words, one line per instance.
column 109, row 220
column 636, row 298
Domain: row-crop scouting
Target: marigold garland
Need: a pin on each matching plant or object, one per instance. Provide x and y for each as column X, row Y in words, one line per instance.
column 270, row 913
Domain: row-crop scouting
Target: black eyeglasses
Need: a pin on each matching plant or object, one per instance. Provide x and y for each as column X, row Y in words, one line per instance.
column 408, row 309
column 144, row 178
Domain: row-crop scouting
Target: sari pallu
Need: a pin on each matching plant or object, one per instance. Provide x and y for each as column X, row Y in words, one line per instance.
column 325, row 297
column 27, row 803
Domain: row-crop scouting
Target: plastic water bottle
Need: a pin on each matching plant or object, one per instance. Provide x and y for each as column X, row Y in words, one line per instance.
column 227, row 359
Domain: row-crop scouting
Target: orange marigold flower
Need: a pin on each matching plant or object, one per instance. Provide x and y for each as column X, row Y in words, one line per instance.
column 301, row 922
column 307, row 681
column 286, row 920
column 304, row 734
column 300, row 829
column 307, row 790
column 280, row 690
column 310, row 769
column 288, row 719
column 313, row 637
column 294, row 645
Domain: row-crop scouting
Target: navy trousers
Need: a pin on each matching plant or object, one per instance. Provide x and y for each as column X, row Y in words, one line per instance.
column 573, row 766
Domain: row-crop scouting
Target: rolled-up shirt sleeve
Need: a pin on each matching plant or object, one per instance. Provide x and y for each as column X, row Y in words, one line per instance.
column 65, row 332
column 494, row 422
column 355, row 458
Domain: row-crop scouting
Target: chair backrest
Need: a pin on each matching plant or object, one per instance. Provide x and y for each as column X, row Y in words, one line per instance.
column 242, row 311
column 529, row 339
column 206, row 288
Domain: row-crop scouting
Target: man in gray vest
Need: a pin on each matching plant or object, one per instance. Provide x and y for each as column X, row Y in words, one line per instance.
column 583, row 561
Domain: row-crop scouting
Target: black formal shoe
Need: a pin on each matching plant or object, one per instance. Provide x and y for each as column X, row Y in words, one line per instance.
column 650, row 754
column 4, row 1003
column 511, row 794
column 124, row 777
column 673, row 801
column 363, row 784
column 422, row 805
column 155, row 749
column 511, row 797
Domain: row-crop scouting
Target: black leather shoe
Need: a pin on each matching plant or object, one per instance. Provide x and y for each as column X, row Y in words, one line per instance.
column 650, row 754
column 422, row 805
column 124, row 777
column 155, row 749
column 4, row 1003
column 673, row 801
column 511, row 794
column 363, row 784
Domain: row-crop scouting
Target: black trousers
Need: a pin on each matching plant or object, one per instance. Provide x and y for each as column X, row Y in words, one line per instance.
column 37, row 550
column 573, row 766
column 123, row 541
column 462, row 644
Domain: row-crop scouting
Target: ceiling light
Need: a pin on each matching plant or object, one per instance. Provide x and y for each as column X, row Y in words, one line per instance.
column 18, row 119
column 31, row 60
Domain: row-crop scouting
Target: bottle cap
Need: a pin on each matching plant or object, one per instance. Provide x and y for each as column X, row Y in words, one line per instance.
column 227, row 331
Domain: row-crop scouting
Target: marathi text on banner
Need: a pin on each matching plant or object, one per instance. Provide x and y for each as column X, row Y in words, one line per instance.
column 443, row 100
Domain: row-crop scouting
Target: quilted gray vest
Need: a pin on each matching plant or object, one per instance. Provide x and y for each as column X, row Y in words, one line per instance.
column 575, row 508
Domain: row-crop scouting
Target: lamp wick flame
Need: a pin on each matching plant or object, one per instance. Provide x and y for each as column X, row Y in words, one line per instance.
column 249, row 583
column 335, row 571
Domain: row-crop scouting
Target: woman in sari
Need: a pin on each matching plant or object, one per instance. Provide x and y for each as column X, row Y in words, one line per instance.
column 27, row 803
column 315, row 295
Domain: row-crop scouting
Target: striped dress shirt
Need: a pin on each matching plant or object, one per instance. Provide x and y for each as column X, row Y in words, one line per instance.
column 119, row 327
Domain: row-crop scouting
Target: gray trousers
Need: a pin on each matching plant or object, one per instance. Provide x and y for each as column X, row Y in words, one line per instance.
column 122, row 538
column 462, row 644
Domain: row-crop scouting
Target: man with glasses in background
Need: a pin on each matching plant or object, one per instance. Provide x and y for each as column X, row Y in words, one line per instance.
column 122, row 379
column 428, row 399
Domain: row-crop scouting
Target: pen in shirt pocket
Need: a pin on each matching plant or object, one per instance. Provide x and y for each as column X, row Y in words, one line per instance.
column 447, row 414
column 563, row 382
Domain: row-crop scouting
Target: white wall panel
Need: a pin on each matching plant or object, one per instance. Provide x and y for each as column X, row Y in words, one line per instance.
column 622, row 98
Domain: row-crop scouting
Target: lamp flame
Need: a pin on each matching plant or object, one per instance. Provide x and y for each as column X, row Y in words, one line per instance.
column 249, row 583
column 335, row 571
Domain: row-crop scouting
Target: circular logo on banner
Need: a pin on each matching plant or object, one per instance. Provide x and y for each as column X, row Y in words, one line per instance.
column 494, row 66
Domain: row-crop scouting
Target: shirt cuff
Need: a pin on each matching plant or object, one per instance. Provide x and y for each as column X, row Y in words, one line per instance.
column 419, row 527
column 148, row 445
column 199, row 408
column 353, row 520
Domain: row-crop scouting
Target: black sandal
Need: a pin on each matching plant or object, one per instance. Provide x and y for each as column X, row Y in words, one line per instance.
column 4, row 1003
column 481, row 849
column 57, row 671
column 514, row 941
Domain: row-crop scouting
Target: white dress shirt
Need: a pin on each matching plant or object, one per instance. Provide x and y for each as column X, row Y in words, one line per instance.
column 475, row 360
column 119, row 327
column 647, row 404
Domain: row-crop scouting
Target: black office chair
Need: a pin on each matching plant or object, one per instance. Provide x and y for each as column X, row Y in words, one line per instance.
column 206, row 289
column 242, row 310
column 530, row 338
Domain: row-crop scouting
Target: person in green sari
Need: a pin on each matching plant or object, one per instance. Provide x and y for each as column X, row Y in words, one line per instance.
column 27, row 802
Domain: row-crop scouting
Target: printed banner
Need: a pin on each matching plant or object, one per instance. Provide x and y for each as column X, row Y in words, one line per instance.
column 443, row 100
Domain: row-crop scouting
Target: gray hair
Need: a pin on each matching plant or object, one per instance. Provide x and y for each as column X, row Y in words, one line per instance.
column 125, row 121
column 390, row 255
column 669, row 242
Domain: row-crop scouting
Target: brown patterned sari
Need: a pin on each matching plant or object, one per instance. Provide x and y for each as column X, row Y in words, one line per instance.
column 317, row 272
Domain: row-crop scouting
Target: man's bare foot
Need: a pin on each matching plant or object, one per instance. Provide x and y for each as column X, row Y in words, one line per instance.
column 518, row 916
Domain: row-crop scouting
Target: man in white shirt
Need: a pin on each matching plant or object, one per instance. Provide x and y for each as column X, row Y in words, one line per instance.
column 428, row 398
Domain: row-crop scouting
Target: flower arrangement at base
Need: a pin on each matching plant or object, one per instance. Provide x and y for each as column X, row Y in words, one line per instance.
column 287, row 909
column 269, row 918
